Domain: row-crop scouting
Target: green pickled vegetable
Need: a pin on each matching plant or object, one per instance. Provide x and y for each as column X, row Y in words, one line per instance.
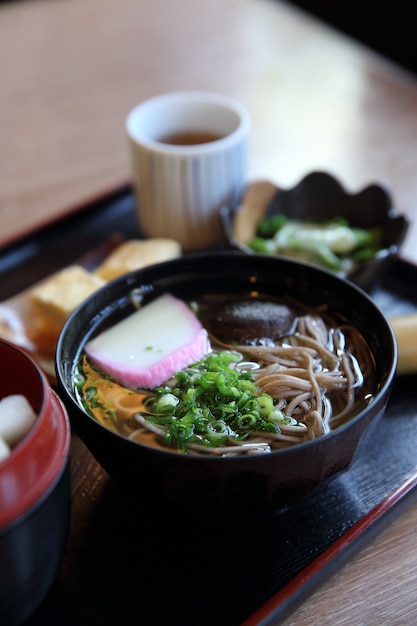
column 211, row 402
column 333, row 244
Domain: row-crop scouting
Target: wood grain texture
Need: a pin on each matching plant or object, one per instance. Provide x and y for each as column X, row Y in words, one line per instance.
column 375, row 588
column 70, row 72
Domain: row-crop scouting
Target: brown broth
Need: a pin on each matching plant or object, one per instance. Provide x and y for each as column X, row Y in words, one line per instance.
column 190, row 138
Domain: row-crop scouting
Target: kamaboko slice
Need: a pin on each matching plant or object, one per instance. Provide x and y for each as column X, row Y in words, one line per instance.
column 146, row 348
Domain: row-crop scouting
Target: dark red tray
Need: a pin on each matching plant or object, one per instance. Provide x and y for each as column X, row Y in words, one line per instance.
column 125, row 566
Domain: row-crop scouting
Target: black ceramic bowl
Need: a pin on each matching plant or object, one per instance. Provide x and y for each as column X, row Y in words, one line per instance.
column 321, row 197
column 35, row 492
column 241, row 485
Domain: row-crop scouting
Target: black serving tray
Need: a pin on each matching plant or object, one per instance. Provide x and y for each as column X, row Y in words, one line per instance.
column 123, row 565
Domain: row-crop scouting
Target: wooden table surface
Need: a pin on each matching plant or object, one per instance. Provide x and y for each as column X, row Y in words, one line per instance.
column 70, row 72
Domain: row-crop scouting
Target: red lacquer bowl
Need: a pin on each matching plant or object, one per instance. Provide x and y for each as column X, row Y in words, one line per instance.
column 34, row 491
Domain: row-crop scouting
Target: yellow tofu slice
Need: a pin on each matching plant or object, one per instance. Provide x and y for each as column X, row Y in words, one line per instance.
column 56, row 297
column 137, row 253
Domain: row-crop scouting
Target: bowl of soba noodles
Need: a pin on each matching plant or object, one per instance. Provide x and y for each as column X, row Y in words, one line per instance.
column 223, row 383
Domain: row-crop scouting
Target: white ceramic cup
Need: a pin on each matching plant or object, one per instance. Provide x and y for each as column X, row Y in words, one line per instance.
column 181, row 188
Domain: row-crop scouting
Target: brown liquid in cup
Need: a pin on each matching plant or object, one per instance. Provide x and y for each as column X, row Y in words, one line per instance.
column 190, row 138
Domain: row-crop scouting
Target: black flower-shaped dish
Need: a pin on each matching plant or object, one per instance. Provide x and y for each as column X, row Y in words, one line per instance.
column 319, row 197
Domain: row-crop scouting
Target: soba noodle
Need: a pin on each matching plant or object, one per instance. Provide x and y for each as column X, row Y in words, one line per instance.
column 318, row 376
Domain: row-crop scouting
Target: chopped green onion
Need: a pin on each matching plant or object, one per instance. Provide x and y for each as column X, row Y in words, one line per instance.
column 266, row 404
column 166, row 402
column 211, row 402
